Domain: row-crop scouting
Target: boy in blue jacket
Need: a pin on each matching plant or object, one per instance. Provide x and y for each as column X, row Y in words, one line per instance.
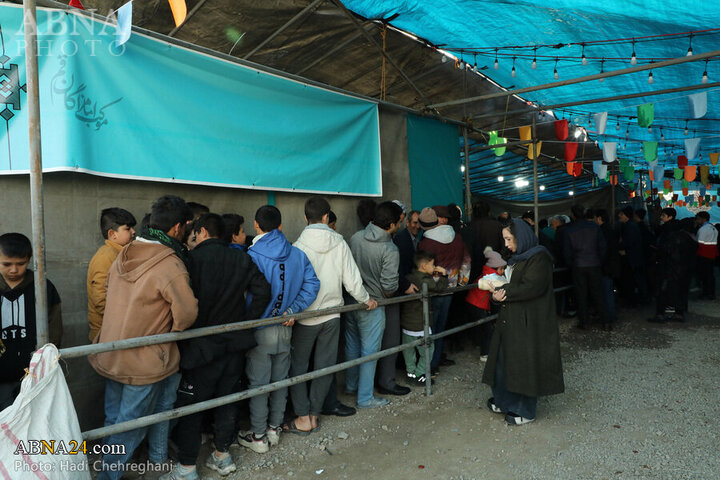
column 294, row 287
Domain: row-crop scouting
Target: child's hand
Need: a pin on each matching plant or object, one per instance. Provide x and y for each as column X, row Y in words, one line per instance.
column 440, row 270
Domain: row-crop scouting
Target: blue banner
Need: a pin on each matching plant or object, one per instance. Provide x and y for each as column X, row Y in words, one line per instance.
column 153, row 110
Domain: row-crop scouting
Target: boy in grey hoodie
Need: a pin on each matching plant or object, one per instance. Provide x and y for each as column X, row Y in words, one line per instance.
column 377, row 258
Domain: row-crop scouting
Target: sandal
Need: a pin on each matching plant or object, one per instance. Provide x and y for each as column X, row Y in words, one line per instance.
column 292, row 428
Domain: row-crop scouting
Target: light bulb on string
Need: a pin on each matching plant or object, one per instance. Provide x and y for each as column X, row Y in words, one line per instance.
column 443, row 59
column 474, row 68
column 584, row 58
column 627, row 133
column 649, row 129
column 496, row 66
column 662, row 136
column 690, row 50
column 534, row 62
column 633, row 59
column 512, row 72
column 705, row 75
column 602, row 69
column 651, row 80
column 686, row 128
column 617, row 126
column 555, row 72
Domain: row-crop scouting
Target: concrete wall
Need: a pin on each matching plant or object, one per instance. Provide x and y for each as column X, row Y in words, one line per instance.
column 73, row 202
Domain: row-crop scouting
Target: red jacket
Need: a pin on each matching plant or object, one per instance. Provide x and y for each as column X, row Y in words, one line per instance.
column 480, row 298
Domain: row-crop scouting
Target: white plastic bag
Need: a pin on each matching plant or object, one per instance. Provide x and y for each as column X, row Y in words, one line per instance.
column 43, row 412
column 491, row 280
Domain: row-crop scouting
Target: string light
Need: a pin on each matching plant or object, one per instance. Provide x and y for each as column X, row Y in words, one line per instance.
column 602, row 70
column 555, row 72
column 501, row 178
column 686, row 127
column 690, row 52
column 662, row 137
column 475, row 69
column 571, row 193
column 542, row 187
column 584, row 58
column 534, row 62
column 627, row 132
column 497, row 65
column 651, row 80
column 649, row 129
column 617, row 126
column 633, row 59
column 512, row 73
column 705, row 75
column 443, row 59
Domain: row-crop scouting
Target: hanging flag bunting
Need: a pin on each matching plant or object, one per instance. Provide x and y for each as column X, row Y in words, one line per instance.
column 534, row 152
column 658, row 172
column 600, row 122
column 684, row 183
column 652, row 164
column 525, row 133
column 702, row 191
column 691, row 147
column 609, row 149
column 646, row 114
column 613, row 179
column 690, row 173
column 124, row 24
column 577, row 170
column 629, row 173
column 650, row 151
column 667, row 184
column 678, row 173
column 561, row 129
column 495, row 140
column 76, row 4
column 599, row 168
column 570, row 151
column 714, row 157
column 685, row 191
column 179, row 11
column 704, row 174
column 698, row 104
column 682, row 161
column 570, row 167
column 666, row 191
column 651, row 174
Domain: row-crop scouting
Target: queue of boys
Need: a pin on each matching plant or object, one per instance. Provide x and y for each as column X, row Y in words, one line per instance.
column 191, row 269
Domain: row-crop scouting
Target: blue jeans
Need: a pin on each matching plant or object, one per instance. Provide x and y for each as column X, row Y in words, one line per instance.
column 363, row 335
column 157, row 434
column 516, row 403
column 128, row 402
column 441, row 307
column 609, row 296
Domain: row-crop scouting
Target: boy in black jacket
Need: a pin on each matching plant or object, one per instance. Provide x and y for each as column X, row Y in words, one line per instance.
column 17, row 314
column 411, row 318
column 211, row 366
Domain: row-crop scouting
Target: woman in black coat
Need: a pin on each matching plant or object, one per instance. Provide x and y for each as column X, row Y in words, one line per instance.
column 524, row 360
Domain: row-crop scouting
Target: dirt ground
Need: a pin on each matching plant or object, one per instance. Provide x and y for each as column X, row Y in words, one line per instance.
column 637, row 405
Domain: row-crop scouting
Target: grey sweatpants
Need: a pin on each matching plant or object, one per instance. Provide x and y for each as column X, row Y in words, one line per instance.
column 325, row 339
column 268, row 362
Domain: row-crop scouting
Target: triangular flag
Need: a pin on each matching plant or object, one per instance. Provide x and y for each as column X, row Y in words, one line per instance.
column 698, row 104
column 659, row 173
column 561, row 129
column 570, row 151
column 600, row 122
column 651, row 174
column 534, row 150
column 704, row 174
column 646, row 114
column 678, row 173
column 613, row 179
column 609, row 149
column 650, row 151
column 179, row 11
column 685, row 191
column 124, row 24
column 525, row 133
column 599, row 169
column 691, row 147
column 577, row 171
column 667, row 184
column 76, row 4
column 682, row 161
column 652, row 164
column 570, row 167
column 684, row 183
column 629, row 173
column 702, row 191
column 495, row 140
column 624, row 162
column 714, row 157
column 690, row 173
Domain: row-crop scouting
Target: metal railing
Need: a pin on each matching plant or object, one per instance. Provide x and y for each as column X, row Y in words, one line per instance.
column 425, row 340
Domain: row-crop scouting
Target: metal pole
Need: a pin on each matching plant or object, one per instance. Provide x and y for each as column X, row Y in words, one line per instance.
column 587, row 78
column 536, row 219
column 277, row 32
column 36, row 186
column 468, row 196
column 333, row 50
column 612, row 200
column 426, row 339
column 609, row 99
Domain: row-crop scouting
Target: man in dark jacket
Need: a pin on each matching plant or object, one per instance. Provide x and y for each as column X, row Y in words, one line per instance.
column 611, row 262
column 633, row 258
column 584, row 248
column 482, row 232
column 211, row 366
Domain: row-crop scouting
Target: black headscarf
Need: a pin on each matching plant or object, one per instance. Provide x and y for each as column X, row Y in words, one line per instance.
column 527, row 242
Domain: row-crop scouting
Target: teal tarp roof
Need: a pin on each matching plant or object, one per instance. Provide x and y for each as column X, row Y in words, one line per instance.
column 479, row 30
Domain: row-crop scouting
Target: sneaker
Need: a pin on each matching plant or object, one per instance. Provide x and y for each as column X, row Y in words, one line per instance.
column 273, row 435
column 179, row 473
column 257, row 445
column 410, row 376
column 492, row 407
column 421, row 380
column 483, row 358
column 514, row 419
column 223, row 466
column 374, row 402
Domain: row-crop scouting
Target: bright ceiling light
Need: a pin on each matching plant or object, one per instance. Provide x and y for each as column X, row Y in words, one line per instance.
column 501, row 178
column 542, row 187
column 571, row 193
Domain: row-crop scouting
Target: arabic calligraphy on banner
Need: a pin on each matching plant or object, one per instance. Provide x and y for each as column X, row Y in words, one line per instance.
column 77, row 100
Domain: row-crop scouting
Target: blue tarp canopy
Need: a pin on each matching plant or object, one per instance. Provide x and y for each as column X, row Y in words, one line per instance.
column 557, row 36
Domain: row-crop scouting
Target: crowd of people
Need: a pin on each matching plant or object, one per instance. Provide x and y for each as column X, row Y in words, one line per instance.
column 189, row 268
